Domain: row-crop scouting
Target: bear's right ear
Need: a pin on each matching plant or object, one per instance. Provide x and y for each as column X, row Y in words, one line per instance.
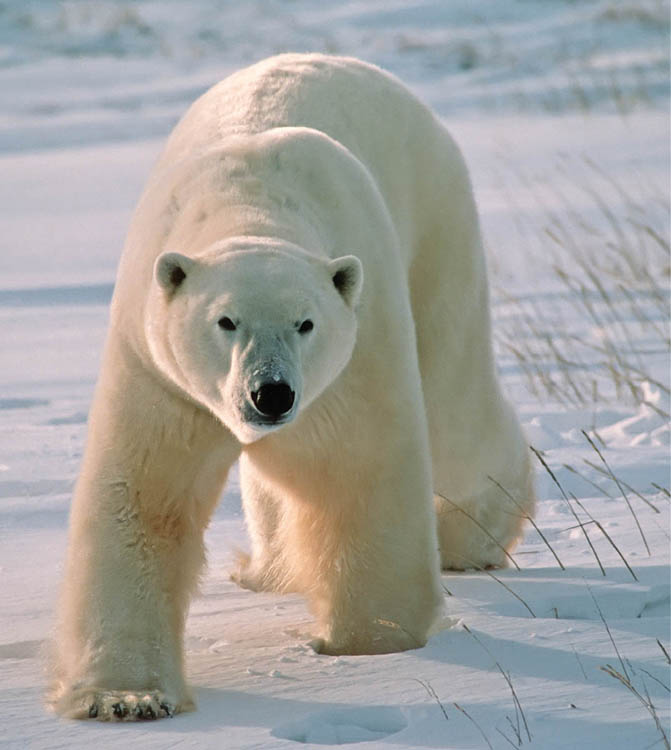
column 171, row 269
column 347, row 277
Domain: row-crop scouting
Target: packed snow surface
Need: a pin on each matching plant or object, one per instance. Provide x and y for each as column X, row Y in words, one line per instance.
column 561, row 109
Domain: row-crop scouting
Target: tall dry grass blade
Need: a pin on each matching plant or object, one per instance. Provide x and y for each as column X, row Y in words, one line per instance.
column 516, row 726
column 480, row 569
column 656, row 236
column 610, row 635
column 657, row 409
column 507, row 739
column 625, row 365
column 661, row 489
column 571, row 508
column 653, row 712
column 482, row 528
column 475, row 724
column 539, row 456
column 656, row 679
column 582, row 669
column 608, row 537
column 619, row 485
column 664, row 651
column 602, row 491
column 647, row 702
column 583, row 528
column 604, row 473
column 639, row 314
column 528, row 518
column 432, row 693
column 516, row 701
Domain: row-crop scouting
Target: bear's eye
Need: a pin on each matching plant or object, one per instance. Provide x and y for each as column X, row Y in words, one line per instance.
column 306, row 326
column 226, row 323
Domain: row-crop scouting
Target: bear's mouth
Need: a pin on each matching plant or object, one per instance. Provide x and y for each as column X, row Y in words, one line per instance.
column 270, row 423
column 254, row 427
column 255, row 421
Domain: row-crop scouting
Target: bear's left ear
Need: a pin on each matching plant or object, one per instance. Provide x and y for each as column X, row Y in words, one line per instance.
column 347, row 276
column 171, row 269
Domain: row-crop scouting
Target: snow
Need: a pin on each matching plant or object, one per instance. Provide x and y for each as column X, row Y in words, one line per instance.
column 561, row 109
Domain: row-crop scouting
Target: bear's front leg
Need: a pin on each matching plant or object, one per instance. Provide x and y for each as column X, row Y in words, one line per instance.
column 153, row 470
column 123, row 610
column 357, row 536
column 378, row 586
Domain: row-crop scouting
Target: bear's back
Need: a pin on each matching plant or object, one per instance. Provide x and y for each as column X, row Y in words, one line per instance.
column 368, row 111
column 355, row 103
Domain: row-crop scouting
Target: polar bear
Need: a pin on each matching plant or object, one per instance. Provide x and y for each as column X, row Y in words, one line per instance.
column 303, row 288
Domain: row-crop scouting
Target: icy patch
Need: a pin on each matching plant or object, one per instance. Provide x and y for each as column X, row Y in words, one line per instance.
column 344, row 726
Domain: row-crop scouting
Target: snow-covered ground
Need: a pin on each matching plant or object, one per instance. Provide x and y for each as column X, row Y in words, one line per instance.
column 562, row 111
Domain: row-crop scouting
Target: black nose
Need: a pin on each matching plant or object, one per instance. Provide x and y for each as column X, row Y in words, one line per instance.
column 273, row 399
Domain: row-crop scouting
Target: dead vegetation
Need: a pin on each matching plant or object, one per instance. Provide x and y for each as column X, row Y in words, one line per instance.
column 614, row 265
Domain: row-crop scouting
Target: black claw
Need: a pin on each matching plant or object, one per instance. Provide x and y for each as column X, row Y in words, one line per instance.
column 120, row 710
column 149, row 713
column 93, row 711
column 169, row 711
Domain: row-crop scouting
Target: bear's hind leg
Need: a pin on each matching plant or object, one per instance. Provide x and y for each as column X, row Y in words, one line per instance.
column 476, row 442
column 473, row 431
column 481, row 532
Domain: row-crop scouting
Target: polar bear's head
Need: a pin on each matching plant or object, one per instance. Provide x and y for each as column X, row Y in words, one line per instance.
column 254, row 333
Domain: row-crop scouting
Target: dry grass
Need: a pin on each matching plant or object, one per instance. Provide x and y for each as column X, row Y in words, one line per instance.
column 628, row 678
column 432, row 694
column 600, row 339
column 531, row 521
column 519, row 726
column 614, row 265
column 645, row 701
column 475, row 723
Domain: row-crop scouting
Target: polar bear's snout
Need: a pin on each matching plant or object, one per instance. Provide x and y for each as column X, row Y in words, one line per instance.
column 273, row 400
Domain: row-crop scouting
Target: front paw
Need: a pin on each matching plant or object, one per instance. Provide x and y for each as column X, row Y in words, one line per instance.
column 378, row 637
column 251, row 576
column 119, row 705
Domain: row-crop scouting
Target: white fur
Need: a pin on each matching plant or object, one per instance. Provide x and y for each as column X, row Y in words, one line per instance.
column 303, row 188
